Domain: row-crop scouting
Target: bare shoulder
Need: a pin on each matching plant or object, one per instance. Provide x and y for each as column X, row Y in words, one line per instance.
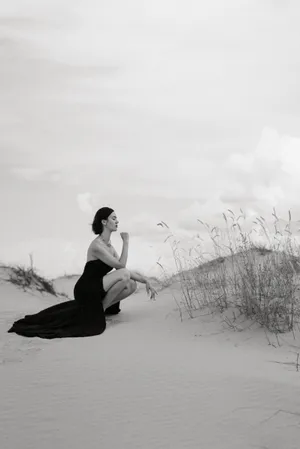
column 92, row 249
column 97, row 245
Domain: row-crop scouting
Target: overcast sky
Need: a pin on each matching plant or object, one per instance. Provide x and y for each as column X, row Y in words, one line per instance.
column 162, row 109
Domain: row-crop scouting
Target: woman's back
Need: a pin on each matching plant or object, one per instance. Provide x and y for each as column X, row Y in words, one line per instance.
column 96, row 269
column 89, row 287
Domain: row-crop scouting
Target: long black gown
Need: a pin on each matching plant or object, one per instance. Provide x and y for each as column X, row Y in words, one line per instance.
column 81, row 317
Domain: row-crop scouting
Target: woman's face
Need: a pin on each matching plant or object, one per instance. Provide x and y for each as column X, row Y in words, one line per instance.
column 112, row 222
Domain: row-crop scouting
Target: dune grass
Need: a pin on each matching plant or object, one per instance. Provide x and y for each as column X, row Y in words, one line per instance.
column 258, row 279
column 28, row 278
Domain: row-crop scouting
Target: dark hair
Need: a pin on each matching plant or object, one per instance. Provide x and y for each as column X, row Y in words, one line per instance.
column 101, row 214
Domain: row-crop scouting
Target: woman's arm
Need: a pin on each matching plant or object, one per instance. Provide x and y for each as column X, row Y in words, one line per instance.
column 124, row 253
column 135, row 276
column 103, row 254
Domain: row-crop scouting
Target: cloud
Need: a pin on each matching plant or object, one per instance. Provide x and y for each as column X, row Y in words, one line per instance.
column 159, row 107
column 84, row 202
column 272, row 171
column 178, row 105
column 35, row 174
column 198, row 63
column 256, row 182
column 29, row 174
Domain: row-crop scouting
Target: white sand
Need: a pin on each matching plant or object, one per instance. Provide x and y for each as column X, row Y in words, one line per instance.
column 149, row 381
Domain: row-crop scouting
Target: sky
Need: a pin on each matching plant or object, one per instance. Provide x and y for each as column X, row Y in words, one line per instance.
column 162, row 110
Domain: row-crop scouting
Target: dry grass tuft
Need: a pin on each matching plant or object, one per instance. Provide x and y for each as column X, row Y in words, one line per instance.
column 28, row 278
column 260, row 280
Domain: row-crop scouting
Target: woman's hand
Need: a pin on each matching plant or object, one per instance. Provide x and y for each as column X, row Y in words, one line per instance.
column 151, row 291
column 124, row 236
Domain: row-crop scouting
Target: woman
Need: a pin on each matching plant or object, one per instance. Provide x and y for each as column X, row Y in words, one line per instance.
column 97, row 291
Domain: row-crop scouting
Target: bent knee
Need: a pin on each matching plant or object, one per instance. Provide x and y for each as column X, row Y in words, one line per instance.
column 133, row 285
column 130, row 286
column 124, row 274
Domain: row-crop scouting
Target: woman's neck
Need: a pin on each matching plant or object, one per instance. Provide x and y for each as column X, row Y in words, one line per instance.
column 105, row 236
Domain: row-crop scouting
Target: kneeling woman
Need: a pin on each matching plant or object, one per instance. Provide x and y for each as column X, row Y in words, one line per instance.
column 97, row 292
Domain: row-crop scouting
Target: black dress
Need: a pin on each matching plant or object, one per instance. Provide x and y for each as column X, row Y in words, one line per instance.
column 81, row 317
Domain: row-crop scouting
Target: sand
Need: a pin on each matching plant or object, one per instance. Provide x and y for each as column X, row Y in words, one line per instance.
column 150, row 381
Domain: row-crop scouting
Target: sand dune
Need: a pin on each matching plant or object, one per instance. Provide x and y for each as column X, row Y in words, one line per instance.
column 150, row 381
